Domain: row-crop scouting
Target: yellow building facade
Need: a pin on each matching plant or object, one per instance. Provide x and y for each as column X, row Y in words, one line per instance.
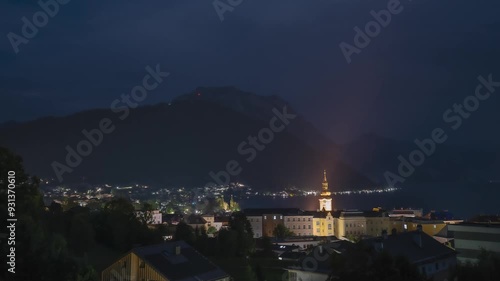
column 129, row 267
column 429, row 227
column 323, row 224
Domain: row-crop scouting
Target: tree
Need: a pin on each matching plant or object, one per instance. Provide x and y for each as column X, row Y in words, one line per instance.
column 227, row 244
column 211, row 230
column 233, row 206
column 118, row 227
column 185, row 232
column 239, row 223
column 41, row 246
column 81, row 234
column 281, row 231
column 267, row 247
column 146, row 213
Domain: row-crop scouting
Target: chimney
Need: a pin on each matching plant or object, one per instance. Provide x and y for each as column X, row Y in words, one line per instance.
column 417, row 238
column 394, row 231
column 384, row 234
column 177, row 250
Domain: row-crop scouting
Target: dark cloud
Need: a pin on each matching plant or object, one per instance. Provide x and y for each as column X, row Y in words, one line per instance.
column 424, row 61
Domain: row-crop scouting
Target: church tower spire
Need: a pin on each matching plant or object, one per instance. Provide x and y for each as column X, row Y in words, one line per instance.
column 325, row 182
column 325, row 201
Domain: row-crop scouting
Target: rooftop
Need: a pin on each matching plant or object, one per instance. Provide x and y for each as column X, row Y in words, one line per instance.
column 417, row 246
column 187, row 265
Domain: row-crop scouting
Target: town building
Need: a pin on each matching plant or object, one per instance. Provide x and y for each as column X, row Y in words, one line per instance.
column 255, row 219
column 196, row 221
column 217, row 222
column 406, row 213
column 471, row 238
column 323, row 224
column 325, row 200
column 300, row 223
column 264, row 221
column 317, row 265
column 433, row 259
column 152, row 217
column 172, row 261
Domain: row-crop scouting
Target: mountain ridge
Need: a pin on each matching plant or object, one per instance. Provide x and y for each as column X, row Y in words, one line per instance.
column 177, row 143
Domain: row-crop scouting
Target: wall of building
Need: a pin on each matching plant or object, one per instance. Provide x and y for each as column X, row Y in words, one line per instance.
column 438, row 270
column 297, row 275
column 351, row 226
column 325, row 203
column 300, row 225
column 324, row 226
column 428, row 227
column 256, row 223
column 375, row 225
column 470, row 239
column 130, row 267
column 269, row 223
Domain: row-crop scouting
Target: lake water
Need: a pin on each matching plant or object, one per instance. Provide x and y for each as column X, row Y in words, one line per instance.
column 462, row 200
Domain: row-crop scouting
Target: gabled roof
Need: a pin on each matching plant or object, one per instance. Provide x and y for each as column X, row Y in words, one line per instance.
column 195, row 219
column 323, row 264
column 188, row 265
column 417, row 246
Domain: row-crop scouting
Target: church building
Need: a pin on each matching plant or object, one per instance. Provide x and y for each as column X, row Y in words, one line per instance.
column 325, row 201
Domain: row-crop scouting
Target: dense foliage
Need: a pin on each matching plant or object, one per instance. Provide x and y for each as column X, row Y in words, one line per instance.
column 52, row 243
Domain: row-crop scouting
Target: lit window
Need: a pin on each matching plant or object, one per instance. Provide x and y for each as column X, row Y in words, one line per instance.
column 281, row 217
column 434, row 226
column 274, row 217
column 405, row 226
column 265, row 217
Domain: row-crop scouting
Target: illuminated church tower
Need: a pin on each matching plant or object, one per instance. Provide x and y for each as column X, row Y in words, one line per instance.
column 325, row 201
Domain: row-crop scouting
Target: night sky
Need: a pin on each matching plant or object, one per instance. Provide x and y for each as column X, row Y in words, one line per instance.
column 424, row 61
